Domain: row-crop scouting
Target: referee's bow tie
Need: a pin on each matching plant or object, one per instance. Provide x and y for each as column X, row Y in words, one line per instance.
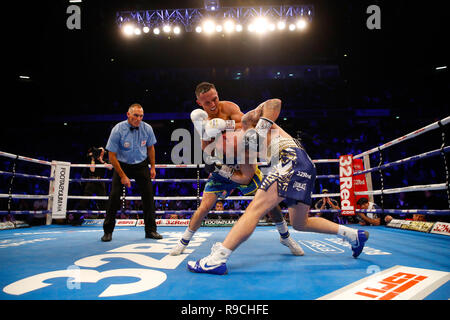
column 134, row 128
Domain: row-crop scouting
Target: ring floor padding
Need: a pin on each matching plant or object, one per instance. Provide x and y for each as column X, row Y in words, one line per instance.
column 71, row 263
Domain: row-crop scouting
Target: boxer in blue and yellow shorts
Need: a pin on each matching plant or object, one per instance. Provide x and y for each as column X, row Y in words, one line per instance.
column 222, row 187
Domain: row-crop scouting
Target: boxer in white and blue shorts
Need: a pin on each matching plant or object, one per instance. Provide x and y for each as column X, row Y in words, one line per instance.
column 295, row 175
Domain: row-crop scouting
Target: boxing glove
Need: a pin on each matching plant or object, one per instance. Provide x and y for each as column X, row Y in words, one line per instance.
column 199, row 117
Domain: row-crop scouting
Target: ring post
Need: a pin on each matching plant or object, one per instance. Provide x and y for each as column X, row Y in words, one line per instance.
column 59, row 189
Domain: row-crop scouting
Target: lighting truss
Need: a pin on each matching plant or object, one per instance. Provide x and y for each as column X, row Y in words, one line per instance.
column 190, row 18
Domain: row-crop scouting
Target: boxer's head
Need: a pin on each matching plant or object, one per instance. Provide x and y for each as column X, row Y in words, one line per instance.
column 231, row 145
column 208, row 98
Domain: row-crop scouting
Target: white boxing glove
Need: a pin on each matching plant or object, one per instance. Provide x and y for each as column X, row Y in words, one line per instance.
column 214, row 127
column 199, row 117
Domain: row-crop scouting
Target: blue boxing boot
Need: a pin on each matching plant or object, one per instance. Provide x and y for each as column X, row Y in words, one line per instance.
column 356, row 238
column 361, row 239
column 215, row 263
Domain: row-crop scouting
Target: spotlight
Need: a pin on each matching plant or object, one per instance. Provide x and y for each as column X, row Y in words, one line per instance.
column 271, row 27
column 137, row 31
column 251, row 27
column 238, row 28
column 176, row 30
column 156, row 31
column 198, row 29
column 281, row 25
column 260, row 25
column 209, row 26
column 167, row 28
column 291, row 27
column 146, row 29
column 301, row 24
column 229, row 26
column 219, row 28
column 128, row 29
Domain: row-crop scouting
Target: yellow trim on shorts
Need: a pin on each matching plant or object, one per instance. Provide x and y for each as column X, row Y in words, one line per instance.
column 253, row 191
column 258, row 173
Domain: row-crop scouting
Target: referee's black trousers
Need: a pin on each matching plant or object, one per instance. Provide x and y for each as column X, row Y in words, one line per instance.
column 140, row 172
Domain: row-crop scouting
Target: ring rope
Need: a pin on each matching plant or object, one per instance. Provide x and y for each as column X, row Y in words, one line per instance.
column 328, row 176
column 25, row 212
column 14, row 156
column 416, row 133
column 24, row 175
column 438, row 186
column 184, row 166
column 424, row 187
column 160, row 212
column 25, row 196
column 405, row 160
column 390, row 211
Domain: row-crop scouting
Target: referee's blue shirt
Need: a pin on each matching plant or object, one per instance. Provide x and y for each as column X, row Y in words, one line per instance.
column 130, row 146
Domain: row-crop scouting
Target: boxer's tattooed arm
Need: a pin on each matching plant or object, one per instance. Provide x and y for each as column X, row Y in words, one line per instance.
column 250, row 119
column 269, row 109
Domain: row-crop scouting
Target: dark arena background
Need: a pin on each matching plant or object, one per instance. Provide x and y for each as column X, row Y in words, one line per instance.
column 365, row 79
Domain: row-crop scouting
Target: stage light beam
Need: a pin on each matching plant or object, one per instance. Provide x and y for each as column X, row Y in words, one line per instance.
column 260, row 25
column 229, row 26
column 128, row 29
column 281, row 25
column 301, row 24
column 209, row 26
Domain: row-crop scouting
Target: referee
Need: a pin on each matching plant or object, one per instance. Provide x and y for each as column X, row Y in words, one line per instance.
column 131, row 148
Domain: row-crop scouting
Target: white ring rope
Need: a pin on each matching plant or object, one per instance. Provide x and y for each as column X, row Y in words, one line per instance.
column 184, row 166
column 405, row 160
column 190, row 211
column 408, row 136
column 25, row 196
column 328, row 176
column 438, row 186
column 14, row 156
column 24, row 175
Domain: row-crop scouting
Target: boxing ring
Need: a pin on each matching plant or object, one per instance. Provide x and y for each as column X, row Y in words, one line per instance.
column 403, row 260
